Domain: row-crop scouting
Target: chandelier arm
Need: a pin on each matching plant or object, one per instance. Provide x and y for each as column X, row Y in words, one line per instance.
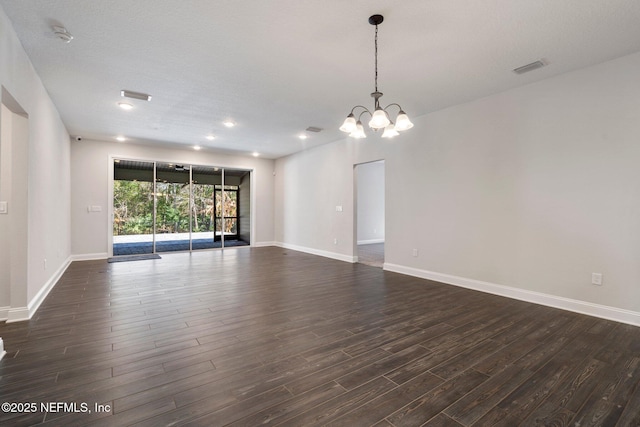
column 360, row 106
column 365, row 111
column 393, row 103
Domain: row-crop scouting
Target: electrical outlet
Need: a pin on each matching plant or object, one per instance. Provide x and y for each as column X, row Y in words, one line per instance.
column 415, row 252
column 596, row 279
column 335, row 241
column 44, row 266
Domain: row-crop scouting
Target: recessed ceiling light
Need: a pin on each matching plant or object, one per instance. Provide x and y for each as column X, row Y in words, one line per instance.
column 256, row 154
column 303, row 136
column 210, row 137
column 125, row 106
column 229, row 123
column 121, row 138
column 196, row 147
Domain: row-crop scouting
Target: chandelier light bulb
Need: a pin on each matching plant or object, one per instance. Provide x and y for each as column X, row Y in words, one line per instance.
column 390, row 131
column 403, row 122
column 379, row 119
column 358, row 133
column 349, row 124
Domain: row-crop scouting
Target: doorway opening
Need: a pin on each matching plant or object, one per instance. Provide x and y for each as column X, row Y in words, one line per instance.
column 167, row 207
column 370, row 213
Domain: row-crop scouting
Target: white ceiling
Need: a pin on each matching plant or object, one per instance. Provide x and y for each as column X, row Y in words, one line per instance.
column 276, row 67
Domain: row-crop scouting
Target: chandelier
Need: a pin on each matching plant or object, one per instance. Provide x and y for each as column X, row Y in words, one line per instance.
column 380, row 117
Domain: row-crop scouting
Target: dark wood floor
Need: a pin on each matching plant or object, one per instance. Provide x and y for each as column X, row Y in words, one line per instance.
column 371, row 254
column 267, row 336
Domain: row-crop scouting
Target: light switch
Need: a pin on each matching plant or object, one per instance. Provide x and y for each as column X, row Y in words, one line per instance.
column 4, row 208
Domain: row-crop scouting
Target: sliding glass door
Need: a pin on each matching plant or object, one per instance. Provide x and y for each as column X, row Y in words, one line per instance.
column 173, row 231
column 162, row 207
column 205, row 179
column 133, row 213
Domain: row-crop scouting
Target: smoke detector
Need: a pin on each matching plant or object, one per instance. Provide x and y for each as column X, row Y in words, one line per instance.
column 62, row 33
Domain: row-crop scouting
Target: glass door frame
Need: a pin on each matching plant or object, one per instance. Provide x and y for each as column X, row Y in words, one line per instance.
column 111, row 168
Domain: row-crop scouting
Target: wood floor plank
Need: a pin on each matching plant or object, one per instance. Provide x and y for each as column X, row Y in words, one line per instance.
column 272, row 336
column 422, row 409
column 441, row 420
column 292, row 407
column 475, row 404
column 610, row 398
column 381, row 367
column 237, row 411
column 334, row 408
column 579, row 385
column 549, row 414
column 336, row 371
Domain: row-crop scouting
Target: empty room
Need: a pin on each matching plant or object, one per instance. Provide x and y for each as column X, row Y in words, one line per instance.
column 286, row 213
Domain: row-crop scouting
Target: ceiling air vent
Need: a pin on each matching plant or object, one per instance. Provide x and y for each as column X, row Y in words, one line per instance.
column 530, row 67
column 313, row 129
column 135, row 95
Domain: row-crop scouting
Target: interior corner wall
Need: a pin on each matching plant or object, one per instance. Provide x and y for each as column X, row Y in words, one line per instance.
column 533, row 189
column 47, row 234
column 370, row 202
column 90, row 181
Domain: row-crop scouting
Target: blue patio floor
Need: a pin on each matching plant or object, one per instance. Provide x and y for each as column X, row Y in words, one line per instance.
column 134, row 248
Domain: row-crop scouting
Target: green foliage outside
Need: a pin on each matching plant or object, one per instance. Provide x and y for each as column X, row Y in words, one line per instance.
column 133, row 208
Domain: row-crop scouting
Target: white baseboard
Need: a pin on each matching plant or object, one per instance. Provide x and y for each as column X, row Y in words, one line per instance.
column 89, row 257
column 18, row 314
column 369, row 242
column 326, row 254
column 583, row 307
column 263, row 244
column 4, row 313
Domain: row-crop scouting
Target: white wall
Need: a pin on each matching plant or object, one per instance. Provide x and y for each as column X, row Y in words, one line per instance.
column 370, row 202
column 524, row 193
column 46, row 168
column 90, row 176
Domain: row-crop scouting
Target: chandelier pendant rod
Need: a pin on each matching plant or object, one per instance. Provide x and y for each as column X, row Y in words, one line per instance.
column 376, row 95
column 376, row 58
